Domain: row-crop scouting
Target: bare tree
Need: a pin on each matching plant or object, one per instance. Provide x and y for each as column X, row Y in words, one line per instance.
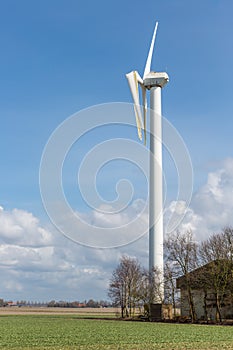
column 228, row 233
column 217, row 253
column 171, row 293
column 181, row 250
column 150, row 289
column 228, row 237
column 124, row 287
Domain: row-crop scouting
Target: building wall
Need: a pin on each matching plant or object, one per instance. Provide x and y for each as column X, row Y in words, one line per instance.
column 198, row 298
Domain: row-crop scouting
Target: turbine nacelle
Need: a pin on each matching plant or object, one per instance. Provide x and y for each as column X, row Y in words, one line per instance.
column 155, row 79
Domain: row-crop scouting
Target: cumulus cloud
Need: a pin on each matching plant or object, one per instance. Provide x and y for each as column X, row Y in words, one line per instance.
column 211, row 208
column 22, row 228
column 38, row 263
column 103, row 228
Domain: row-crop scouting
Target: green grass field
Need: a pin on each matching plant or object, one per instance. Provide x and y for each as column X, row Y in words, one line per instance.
column 52, row 332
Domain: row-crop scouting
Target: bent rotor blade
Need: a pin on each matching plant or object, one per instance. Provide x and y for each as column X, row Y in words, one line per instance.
column 150, row 54
column 144, row 102
column 134, row 79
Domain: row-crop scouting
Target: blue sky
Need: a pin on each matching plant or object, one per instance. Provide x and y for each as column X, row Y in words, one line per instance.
column 58, row 57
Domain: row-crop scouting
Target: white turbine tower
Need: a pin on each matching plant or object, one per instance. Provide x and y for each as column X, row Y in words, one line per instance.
column 154, row 82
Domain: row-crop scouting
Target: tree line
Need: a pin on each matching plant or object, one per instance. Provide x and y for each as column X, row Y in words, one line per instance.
column 53, row 303
column 132, row 287
column 77, row 304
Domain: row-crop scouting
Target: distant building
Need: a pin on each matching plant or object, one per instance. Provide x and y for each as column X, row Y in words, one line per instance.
column 11, row 303
column 211, row 291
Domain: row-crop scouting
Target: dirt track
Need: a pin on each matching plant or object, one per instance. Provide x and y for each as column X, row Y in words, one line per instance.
column 14, row 310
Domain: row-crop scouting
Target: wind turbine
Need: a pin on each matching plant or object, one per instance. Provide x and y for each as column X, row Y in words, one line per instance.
column 153, row 81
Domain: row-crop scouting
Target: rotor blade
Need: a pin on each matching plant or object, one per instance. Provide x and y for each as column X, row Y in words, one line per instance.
column 144, row 102
column 150, row 54
column 134, row 79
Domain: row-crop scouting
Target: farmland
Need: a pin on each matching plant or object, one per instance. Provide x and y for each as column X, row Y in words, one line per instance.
column 73, row 330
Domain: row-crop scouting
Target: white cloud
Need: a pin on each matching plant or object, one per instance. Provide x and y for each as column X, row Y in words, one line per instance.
column 10, row 285
column 211, row 208
column 104, row 229
column 38, row 263
column 22, row 228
